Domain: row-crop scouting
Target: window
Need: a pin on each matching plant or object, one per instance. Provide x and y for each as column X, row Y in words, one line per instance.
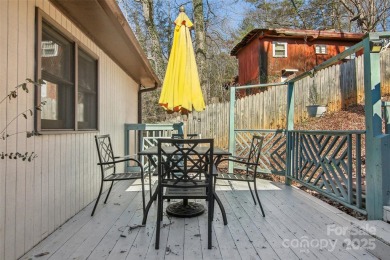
column 279, row 49
column 321, row 49
column 286, row 73
column 87, row 92
column 70, row 89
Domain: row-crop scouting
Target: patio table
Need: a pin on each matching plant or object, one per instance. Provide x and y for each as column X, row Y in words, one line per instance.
column 184, row 209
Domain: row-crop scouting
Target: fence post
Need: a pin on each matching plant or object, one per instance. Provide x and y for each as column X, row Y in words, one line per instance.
column 179, row 127
column 386, row 108
column 231, row 123
column 358, row 171
column 290, row 126
column 377, row 144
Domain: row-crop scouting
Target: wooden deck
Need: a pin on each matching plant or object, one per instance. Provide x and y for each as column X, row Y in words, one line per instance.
column 292, row 218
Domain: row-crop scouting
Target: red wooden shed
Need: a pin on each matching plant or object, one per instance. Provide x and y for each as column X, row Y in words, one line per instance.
column 272, row 55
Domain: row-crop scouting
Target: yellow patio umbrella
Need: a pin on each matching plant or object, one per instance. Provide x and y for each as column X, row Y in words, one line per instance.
column 181, row 91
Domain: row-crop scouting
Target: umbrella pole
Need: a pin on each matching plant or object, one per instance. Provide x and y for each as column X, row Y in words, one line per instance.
column 185, row 125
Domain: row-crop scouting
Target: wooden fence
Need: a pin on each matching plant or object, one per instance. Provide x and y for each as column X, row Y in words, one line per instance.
column 338, row 86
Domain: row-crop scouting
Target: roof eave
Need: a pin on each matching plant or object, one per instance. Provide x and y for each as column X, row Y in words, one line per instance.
column 290, row 33
column 104, row 23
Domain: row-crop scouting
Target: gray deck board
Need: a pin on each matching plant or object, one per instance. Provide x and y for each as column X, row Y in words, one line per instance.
column 291, row 215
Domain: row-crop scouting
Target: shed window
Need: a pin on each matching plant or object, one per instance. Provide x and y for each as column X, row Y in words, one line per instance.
column 70, row 89
column 279, row 49
column 321, row 49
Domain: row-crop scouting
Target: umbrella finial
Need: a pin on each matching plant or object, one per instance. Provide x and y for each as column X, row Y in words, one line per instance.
column 181, row 8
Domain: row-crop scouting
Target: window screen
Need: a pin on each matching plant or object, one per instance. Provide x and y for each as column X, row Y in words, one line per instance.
column 87, row 91
column 57, row 72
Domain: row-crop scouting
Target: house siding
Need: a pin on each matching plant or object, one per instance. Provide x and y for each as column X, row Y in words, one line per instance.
column 39, row 196
column 248, row 63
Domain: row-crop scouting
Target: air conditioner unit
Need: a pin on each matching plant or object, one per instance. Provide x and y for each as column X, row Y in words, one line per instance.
column 49, row 49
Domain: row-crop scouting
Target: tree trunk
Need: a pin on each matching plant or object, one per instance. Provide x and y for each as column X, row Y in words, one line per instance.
column 155, row 55
column 200, row 44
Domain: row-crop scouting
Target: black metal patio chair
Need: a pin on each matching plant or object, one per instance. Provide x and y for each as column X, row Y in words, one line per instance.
column 181, row 136
column 249, row 172
column 182, row 155
column 108, row 166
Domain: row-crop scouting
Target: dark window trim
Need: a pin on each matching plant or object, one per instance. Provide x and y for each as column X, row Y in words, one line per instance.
column 40, row 17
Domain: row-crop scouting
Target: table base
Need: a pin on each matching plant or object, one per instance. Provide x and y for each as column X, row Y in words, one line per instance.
column 185, row 210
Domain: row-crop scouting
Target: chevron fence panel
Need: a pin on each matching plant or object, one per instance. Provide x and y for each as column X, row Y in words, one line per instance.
column 330, row 163
column 273, row 154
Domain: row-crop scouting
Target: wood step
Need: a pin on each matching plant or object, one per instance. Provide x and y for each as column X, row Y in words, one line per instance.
column 386, row 213
column 372, row 235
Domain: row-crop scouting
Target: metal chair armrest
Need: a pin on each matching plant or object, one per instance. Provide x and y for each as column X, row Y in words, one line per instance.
column 122, row 159
column 237, row 157
column 126, row 156
column 232, row 160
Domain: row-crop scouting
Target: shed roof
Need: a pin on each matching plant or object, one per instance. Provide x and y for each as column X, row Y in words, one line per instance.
column 310, row 35
column 104, row 23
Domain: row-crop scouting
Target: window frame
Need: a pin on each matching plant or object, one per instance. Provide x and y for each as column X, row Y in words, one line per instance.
column 285, row 49
column 320, row 47
column 42, row 17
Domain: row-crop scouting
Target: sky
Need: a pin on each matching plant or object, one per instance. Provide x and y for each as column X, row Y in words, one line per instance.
column 233, row 10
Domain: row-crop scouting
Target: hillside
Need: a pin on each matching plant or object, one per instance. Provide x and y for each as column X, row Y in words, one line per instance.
column 352, row 118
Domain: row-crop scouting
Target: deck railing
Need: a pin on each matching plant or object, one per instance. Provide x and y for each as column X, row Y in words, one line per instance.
column 138, row 137
column 273, row 155
column 328, row 162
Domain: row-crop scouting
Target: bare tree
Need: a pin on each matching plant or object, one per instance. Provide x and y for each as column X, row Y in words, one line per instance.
column 200, row 40
column 368, row 14
column 152, row 22
column 311, row 14
column 155, row 52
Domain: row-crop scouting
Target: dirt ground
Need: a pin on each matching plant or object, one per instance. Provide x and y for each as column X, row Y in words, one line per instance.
column 352, row 118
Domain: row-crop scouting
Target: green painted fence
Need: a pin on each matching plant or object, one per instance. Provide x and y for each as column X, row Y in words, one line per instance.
column 330, row 163
column 138, row 137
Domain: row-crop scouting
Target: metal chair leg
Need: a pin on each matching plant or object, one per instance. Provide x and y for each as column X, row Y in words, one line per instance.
column 98, row 198
column 143, row 194
column 210, row 212
column 212, row 215
column 253, row 197
column 258, row 199
column 159, row 209
column 221, row 208
column 150, row 185
column 109, row 191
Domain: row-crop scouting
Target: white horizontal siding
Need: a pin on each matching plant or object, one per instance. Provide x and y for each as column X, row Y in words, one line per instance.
column 37, row 197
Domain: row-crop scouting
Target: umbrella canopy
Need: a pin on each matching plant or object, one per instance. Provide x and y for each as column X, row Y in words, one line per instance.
column 181, row 90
